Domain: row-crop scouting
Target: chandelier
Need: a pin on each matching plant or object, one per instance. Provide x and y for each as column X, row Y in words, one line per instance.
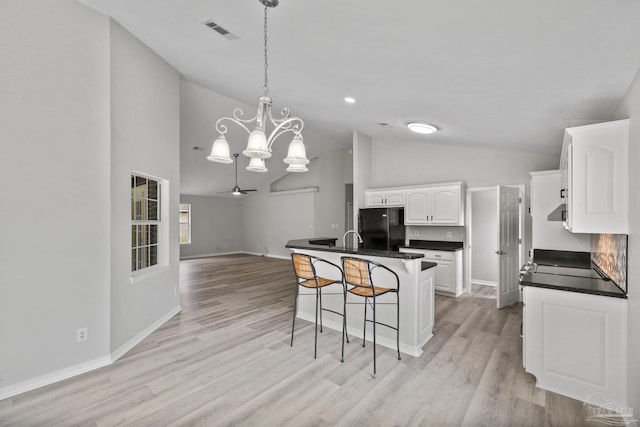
column 259, row 145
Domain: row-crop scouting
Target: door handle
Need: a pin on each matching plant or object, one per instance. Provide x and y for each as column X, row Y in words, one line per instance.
column 500, row 253
column 562, row 196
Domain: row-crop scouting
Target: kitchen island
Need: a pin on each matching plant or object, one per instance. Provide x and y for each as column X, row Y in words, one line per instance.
column 416, row 294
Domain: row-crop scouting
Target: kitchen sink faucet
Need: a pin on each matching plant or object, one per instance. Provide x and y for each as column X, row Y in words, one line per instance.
column 344, row 237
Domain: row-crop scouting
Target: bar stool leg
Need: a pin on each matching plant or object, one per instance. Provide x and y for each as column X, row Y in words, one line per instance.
column 295, row 311
column 344, row 325
column 398, row 323
column 315, row 343
column 320, row 309
column 374, row 335
column 364, row 327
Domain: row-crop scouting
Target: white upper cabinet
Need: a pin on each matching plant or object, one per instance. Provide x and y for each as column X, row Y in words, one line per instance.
column 384, row 198
column 595, row 171
column 435, row 205
column 429, row 204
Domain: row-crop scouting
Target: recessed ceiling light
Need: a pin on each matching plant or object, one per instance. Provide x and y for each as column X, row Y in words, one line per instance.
column 349, row 100
column 419, row 127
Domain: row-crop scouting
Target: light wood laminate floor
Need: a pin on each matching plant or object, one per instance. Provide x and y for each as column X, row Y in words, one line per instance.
column 225, row 360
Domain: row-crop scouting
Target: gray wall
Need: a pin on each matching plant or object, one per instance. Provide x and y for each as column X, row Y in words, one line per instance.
column 409, row 162
column 630, row 108
column 54, row 181
column 270, row 221
column 216, row 226
column 85, row 104
column 145, row 114
column 484, row 236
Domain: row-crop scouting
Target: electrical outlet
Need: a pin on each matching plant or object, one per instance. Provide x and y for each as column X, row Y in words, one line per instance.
column 81, row 334
column 416, row 233
column 448, row 234
column 175, row 290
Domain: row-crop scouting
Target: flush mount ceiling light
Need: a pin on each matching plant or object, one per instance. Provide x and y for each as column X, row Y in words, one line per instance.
column 419, row 127
column 259, row 145
column 349, row 100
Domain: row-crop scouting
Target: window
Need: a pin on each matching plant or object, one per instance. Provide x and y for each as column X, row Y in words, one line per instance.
column 145, row 221
column 185, row 223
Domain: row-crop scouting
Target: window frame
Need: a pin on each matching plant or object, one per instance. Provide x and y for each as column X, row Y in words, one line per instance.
column 145, row 224
column 188, row 223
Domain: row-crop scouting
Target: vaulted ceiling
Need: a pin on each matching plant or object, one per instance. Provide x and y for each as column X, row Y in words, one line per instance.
column 501, row 74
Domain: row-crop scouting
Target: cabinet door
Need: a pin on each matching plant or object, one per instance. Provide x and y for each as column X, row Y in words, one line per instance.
column 598, row 178
column 418, row 207
column 443, row 280
column 374, row 199
column 395, row 198
column 446, row 205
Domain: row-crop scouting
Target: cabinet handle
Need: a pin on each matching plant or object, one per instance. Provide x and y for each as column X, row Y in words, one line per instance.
column 564, row 215
column 438, row 256
column 562, row 196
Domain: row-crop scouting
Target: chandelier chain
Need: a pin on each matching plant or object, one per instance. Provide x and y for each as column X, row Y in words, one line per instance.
column 265, row 87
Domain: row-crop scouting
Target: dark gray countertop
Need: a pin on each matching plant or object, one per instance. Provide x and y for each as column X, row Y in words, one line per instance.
column 435, row 245
column 304, row 244
column 425, row 265
column 586, row 285
column 569, row 271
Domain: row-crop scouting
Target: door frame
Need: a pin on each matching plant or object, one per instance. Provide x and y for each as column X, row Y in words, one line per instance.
column 466, row 286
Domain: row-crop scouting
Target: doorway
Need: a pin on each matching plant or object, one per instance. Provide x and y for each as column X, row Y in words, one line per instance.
column 483, row 217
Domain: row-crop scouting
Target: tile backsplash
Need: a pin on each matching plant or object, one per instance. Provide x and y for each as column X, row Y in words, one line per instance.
column 609, row 252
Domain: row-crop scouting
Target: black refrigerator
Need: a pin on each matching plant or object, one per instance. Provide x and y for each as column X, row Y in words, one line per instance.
column 381, row 228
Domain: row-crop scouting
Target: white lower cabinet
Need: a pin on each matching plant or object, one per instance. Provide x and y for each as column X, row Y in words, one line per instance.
column 575, row 343
column 448, row 271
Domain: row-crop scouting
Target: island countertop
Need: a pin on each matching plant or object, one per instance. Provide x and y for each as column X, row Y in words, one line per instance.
column 305, row 244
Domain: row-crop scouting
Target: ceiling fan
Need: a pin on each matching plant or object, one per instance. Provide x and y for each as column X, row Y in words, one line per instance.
column 237, row 190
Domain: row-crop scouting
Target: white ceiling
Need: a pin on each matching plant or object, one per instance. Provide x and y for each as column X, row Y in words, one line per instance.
column 501, row 74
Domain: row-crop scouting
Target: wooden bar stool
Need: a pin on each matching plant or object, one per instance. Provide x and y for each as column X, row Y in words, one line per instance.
column 305, row 272
column 357, row 274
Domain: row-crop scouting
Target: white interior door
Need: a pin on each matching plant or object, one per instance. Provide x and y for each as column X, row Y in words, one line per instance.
column 508, row 246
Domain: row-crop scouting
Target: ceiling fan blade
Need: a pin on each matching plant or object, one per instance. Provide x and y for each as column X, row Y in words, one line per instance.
column 230, row 191
column 252, row 189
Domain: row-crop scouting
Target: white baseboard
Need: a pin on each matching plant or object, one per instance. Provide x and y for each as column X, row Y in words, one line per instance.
column 235, row 253
column 267, row 255
column 484, row 282
column 211, row 255
column 81, row 368
column 54, row 377
column 142, row 335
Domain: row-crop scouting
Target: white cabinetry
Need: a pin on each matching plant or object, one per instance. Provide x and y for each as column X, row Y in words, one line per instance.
column 435, row 205
column 594, row 167
column 384, row 198
column 448, row 272
column 575, row 344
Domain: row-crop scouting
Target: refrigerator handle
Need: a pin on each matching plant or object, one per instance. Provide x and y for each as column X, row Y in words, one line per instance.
column 359, row 227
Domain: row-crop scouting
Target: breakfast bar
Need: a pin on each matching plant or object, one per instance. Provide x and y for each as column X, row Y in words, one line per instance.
column 416, row 293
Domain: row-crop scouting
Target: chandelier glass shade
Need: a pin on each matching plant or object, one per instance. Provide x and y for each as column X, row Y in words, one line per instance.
column 260, row 142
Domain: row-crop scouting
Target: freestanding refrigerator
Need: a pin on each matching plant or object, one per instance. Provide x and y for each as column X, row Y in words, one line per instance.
column 381, row 228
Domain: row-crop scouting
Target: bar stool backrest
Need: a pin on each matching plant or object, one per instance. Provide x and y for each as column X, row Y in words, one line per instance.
column 303, row 267
column 356, row 272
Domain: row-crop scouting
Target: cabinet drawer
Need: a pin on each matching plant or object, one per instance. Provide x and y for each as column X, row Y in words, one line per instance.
column 438, row 255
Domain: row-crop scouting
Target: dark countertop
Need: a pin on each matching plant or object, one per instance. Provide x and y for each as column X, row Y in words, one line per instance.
column 304, row 244
column 425, row 265
column 586, row 285
column 569, row 271
column 434, row 245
